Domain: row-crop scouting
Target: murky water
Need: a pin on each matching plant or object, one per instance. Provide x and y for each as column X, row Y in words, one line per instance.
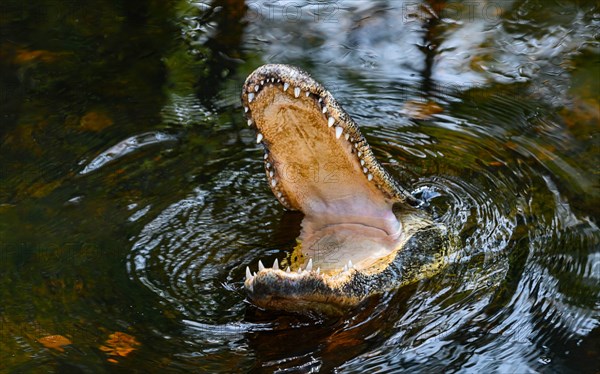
column 133, row 194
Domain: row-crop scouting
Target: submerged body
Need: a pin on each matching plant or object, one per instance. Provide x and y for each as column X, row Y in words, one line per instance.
column 361, row 233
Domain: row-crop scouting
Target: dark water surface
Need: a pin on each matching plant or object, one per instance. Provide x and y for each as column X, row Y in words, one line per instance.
column 133, row 194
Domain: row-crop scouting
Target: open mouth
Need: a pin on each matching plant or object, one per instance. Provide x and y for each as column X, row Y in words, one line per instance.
column 317, row 161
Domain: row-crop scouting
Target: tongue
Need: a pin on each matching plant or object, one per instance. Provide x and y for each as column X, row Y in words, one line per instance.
column 332, row 246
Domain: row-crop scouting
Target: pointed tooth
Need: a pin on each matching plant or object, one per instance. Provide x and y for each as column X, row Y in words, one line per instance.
column 365, row 170
column 345, row 267
column 296, row 91
column 261, row 267
column 268, row 165
column 346, row 136
column 266, row 156
column 259, row 138
column 325, row 109
column 250, row 97
column 338, row 132
column 249, row 122
column 359, row 153
column 271, row 174
column 307, row 93
column 287, row 270
column 279, row 194
column 309, row 266
column 276, row 265
column 262, row 82
column 248, row 274
column 254, row 274
column 320, row 100
column 318, row 270
column 370, row 177
column 362, row 162
column 286, row 85
column 330, row 121
column 350, row 265
column 273, row 182
column 245, row 109
column 352, row 140
column 299, row 270
column 256, row 88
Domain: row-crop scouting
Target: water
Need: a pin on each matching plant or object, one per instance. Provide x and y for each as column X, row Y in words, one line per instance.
column 133, row 194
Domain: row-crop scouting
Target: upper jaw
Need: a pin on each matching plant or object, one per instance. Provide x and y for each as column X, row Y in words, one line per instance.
column 298, row 84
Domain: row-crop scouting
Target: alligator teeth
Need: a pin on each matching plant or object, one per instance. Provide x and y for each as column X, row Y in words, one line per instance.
column 276, row 265
column 268, row 165
column 296, row 91
column 285, row 86
column 346, row 136
column 325, row 109
column 318, row 270
column 266, row 156
column 309, row 266
column 279, row 194
column 370, row 177
column 362, row 162
column 256, row 88
column 350, row 266
column 259, row 137
column 273, row 182
column 245, row 109
column 330, row 121
column 346, row 268
column 359, row 153
column 287, row 270
column 262, row 82
column 307, row 93
column 249, row 122
column 261, row 267
column 250, row 97
column 248, row 274
column 320, row 100
column 338, row 132
column 365, row 170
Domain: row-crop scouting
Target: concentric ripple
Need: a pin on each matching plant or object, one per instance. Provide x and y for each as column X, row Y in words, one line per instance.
column 196, row 248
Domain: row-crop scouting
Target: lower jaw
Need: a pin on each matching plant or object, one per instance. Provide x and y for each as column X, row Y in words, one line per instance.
column 325, row 305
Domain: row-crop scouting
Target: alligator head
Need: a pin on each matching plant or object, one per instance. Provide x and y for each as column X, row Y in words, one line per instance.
column 361, row 233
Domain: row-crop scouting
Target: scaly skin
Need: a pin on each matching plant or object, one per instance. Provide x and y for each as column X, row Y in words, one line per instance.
column 360, row 226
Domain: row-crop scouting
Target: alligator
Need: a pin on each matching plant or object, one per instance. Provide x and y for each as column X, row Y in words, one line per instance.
column 362, row 233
